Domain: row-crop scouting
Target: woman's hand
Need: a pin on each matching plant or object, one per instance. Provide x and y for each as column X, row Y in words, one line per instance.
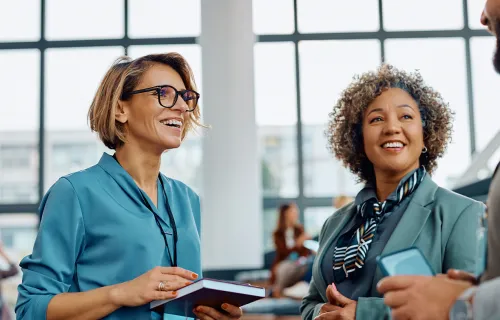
column 207, row 313
column 338, row 306
column 146, row 287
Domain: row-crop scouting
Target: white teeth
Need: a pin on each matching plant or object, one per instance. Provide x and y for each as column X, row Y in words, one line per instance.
column 392, row 145
column 172, row 122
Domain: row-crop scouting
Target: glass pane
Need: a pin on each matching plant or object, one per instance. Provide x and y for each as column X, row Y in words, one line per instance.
column 270, row 220
column 279, row 160
column 275, row 89
column 423, row 15
column 72, row 78
column 328, row 66
column 17, row 237
column 314, row 218
column 475, row 8
column 442, row 65
column 91, row 19
column 273, row 17
column 324, row 176
column 484, row 80
column 337, row 16
column 19, row 124
column 147, row 19
column 276, row 114
column 17, row 23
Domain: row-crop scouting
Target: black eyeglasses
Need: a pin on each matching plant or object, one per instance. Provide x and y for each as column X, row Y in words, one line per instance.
column 168, row 95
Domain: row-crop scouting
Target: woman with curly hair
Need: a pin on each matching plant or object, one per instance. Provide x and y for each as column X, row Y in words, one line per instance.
column 389, row 128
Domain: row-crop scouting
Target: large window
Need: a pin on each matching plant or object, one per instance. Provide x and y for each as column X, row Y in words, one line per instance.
column 307, row 52
column 52, row 59
column 53, row 56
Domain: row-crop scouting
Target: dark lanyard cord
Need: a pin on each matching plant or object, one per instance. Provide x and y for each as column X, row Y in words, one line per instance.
column 157, row 219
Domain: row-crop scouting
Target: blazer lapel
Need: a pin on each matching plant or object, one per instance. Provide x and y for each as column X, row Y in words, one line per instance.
column 411, row 224
column 336, row 226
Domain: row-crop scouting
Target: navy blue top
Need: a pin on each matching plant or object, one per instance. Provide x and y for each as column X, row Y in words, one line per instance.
column 360, row 286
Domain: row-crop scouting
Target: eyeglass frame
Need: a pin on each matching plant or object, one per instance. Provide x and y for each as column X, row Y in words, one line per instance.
column 158, row 88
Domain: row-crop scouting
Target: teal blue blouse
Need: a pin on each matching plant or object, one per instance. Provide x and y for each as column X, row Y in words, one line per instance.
column 96, row 231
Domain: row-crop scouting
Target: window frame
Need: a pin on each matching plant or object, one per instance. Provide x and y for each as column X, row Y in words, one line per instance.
column 302, row 200
column 269, row 202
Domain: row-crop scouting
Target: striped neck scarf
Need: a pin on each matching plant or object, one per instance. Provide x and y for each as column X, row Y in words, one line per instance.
column 352, row 246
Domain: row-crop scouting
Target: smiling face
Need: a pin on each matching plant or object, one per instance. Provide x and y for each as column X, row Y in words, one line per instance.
column 393, row 133
column 147, row 123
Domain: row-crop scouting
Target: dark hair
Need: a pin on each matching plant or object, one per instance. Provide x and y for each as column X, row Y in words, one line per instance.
column 345, row 134
column 281, row 224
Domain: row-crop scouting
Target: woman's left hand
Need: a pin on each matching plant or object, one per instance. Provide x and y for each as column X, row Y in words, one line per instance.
column 207, row 313
column 347, row 306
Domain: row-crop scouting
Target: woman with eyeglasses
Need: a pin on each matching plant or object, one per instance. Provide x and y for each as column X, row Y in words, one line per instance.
column 120, row 234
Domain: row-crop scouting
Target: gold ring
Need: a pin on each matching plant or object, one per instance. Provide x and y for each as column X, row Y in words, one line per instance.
column 161, row 286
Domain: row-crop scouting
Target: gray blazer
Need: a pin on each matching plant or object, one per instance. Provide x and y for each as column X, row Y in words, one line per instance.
column 441, row 223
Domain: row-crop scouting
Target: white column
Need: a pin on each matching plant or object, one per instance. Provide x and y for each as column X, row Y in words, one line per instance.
column 231, row 200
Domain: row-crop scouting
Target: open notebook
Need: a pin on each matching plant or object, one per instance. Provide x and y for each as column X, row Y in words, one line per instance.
column 208, row 292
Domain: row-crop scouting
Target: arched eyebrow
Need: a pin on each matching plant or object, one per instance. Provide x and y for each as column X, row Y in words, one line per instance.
column 380, row 109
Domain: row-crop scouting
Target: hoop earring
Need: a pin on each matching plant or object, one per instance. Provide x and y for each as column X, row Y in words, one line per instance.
column 424, row 150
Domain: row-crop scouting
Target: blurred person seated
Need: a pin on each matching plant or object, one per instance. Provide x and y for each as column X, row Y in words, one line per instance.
column 342, row 200
column 389, row 128
column 293, row 259
column 11, row 271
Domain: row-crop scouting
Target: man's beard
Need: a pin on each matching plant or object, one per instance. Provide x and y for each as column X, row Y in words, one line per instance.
column 496, row 56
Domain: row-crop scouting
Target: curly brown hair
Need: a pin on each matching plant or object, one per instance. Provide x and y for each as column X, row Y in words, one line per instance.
column 344, row 132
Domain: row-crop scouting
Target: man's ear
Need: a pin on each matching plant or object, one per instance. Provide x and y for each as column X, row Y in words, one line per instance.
column 121, row 112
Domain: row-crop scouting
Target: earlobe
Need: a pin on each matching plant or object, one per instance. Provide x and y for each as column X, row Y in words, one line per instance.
column 121, row 112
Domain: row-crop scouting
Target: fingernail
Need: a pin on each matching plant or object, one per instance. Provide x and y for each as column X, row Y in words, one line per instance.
column 194, row 275
column 174, row 293
column 198, row 309
column 334, row 287
column 224, row 306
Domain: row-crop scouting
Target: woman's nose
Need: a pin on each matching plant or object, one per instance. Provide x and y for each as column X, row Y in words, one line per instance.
column 180, row 105
column 392, row 126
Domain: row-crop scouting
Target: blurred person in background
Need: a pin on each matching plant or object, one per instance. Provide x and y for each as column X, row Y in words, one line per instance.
column 460, row 295
column 289, row 236
column 120, row 234
column 389, row 128
column 342, row 200
column 11, row 271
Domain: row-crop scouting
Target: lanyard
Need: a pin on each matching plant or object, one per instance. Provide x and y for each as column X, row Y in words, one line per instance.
column 157, row 219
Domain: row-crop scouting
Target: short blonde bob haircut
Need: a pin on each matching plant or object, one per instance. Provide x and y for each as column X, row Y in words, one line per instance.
column 122, row 78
